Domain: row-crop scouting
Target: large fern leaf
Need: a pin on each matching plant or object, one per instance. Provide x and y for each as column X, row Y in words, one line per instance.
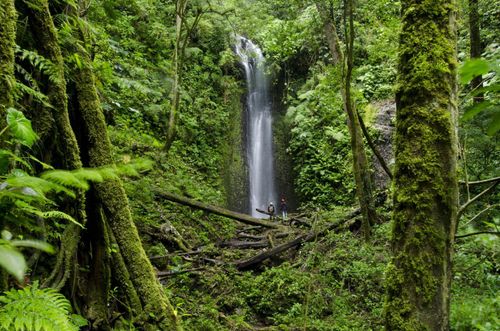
column 35, row 309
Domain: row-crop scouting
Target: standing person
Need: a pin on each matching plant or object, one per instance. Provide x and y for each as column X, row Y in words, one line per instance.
column 284, row 208
column 270, row 210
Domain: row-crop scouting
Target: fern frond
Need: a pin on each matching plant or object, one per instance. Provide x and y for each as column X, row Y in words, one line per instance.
column 41, row 63
column 65, row 178
column 22, row 89
column 60, row 215
column 33, row 308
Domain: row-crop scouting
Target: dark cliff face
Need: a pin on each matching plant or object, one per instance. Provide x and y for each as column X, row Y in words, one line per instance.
column 384, row 125
column 285, row 176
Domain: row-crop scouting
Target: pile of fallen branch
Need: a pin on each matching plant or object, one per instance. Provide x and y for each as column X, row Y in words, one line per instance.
column 272, row 239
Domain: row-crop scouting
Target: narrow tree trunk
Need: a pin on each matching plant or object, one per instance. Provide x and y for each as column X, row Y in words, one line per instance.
column 360, row 161
column 475, row 45
column 115, row 203
column 425, row 177
column 177, row 62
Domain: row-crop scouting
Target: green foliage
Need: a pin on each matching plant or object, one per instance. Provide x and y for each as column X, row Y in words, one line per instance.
column 474, row 299
column 35, row 309
column 489, row 106
column 320, row 142
column 11, row 259
column 20, row 128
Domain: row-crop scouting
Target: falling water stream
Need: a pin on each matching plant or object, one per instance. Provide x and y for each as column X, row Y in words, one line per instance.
column 259, row 142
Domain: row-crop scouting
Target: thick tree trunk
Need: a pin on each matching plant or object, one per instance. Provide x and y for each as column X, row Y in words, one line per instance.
column 8, row 18
column 425, row 177
column 115, row 203
column 57, row 118
column 360, row 161
column 46, row 37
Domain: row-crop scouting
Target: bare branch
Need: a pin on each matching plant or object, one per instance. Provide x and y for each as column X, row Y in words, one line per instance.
column 477, row 233
column 484, row 181
column 373, row 147
column 477, row 197
column 480, row 213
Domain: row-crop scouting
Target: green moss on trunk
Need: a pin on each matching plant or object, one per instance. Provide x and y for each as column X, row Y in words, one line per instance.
column 115, row 204
column 425, row 184
column 8, row 18
column 46, row 37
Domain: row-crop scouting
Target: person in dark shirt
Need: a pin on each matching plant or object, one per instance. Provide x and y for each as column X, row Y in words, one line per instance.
column 284, row 208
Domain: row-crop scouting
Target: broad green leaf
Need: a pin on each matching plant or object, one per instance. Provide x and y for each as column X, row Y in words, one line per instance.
column 475, row 109
column 41, row 245
column 12, row 261
column 472, row 68
column 20, row 127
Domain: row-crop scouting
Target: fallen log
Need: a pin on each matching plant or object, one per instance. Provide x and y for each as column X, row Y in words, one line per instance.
column 163, row 274
column 257, row 259
column 244, row 244
column 214, row 209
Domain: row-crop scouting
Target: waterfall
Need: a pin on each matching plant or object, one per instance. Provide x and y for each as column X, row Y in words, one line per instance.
column 259, row 140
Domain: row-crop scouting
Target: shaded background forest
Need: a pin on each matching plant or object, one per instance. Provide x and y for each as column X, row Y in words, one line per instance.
column 335, row 282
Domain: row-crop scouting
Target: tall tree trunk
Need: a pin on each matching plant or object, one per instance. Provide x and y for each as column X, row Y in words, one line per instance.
column 425, row 178
column 177, row 63
column 475, row 45
column 67, row 150
column 112, row 197
column 360, row 161
column 8, row 17
column 46, row 37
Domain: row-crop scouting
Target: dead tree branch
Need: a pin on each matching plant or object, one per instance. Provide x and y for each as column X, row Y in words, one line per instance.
column 215, row 210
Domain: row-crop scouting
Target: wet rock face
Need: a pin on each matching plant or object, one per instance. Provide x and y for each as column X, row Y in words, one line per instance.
column 384, row 124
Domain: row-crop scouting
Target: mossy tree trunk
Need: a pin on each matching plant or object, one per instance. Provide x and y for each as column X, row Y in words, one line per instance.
column 8, row 18
column 360, row 161
column 64, row 140
column 425, row 177
column 111, row 194
column 45, row 34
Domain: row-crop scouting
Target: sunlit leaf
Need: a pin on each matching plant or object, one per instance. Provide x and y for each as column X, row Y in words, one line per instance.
column 472, row 68
column 41, row 245
column 20, row 127
column 12, row 261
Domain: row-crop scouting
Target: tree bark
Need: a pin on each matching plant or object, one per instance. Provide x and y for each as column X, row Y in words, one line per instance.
column 8, row 18
column 115, row 203
column 425, row 177
column 476, row 49
column 46, row 37
column 360, row 161
column 243, row 218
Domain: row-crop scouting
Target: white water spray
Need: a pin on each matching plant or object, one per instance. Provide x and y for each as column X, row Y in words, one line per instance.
column 259, row 142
